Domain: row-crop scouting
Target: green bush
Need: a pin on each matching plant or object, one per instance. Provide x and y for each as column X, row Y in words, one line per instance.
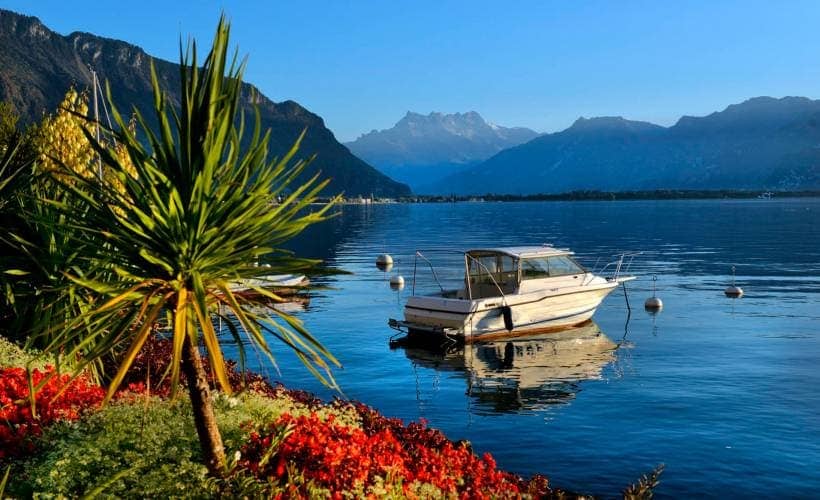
column 142, row 450
column 139, row 447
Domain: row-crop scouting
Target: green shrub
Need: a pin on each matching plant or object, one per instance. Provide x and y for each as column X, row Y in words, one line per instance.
column 143, row 450
column 139, row 447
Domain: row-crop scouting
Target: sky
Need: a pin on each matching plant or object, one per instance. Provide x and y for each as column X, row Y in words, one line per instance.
column 362, row 65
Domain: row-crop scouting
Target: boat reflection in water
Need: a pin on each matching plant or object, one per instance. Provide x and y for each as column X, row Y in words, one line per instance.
column 525, row 373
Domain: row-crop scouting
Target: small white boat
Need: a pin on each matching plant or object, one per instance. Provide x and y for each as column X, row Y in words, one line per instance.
column 507, row 292
column 282, row 284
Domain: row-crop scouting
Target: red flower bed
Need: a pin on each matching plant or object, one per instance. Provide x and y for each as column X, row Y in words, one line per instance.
column 338, row 457
column 421, row 440
column 342, row 458
column 17, row 423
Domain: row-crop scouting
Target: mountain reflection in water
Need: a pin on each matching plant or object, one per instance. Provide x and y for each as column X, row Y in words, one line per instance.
column 525, row 373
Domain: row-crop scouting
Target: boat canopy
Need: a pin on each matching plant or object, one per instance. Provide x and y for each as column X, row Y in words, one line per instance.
column 498, row 271
column 524, row 251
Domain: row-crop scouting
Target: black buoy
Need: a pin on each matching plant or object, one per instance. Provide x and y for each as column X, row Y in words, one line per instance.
column 653, row 303
column 733, row 290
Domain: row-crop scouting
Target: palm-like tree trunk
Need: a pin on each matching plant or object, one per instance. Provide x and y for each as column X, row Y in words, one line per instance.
column 204, row 418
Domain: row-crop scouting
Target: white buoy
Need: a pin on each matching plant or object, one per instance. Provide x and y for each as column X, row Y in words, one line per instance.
column 653, row 303
column 384, row 262
column 397, row 282
column 733, row 290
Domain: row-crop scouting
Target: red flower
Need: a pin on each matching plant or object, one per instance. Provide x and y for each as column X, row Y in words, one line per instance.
column 60, row 398
column 343, row 458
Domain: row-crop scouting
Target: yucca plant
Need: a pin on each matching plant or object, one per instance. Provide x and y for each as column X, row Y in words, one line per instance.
column 194, row 209
column 39, row 242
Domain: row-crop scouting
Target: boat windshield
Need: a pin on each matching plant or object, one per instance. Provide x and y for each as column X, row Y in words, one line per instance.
column 545, row 267
column 485, row 270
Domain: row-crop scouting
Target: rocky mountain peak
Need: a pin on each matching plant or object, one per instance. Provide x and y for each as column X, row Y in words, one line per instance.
column 27, row 27
column 469, row 125
column 421, row 148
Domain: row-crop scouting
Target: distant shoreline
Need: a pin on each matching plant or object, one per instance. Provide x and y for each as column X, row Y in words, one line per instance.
column 590, row 195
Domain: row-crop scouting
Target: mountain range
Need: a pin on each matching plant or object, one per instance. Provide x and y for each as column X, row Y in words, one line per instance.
column 422, row 149
column 37, row 67
column 761, row 143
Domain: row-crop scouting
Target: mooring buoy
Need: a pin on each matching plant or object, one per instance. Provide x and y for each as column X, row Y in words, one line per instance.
column 384, row 262
column 653, row 303
column 733, row 290
column 397, row 282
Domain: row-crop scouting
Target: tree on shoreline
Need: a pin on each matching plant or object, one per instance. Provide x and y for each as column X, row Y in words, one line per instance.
column 196, row 210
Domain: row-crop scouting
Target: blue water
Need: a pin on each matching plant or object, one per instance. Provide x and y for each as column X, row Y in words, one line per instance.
column 725, row 392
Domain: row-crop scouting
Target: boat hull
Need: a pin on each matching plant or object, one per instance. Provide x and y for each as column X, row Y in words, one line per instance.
column 513, row 315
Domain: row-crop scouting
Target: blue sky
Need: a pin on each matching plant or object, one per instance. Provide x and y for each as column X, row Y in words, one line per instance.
column 540, row 64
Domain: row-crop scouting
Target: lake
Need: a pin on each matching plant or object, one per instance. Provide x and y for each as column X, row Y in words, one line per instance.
column 725, row 392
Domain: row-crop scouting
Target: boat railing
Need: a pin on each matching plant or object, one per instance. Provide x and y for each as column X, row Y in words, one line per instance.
column 432, row 270
column 467, row 259
column 620, row 265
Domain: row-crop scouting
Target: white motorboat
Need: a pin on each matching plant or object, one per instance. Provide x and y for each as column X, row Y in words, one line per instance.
column 507, row 292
